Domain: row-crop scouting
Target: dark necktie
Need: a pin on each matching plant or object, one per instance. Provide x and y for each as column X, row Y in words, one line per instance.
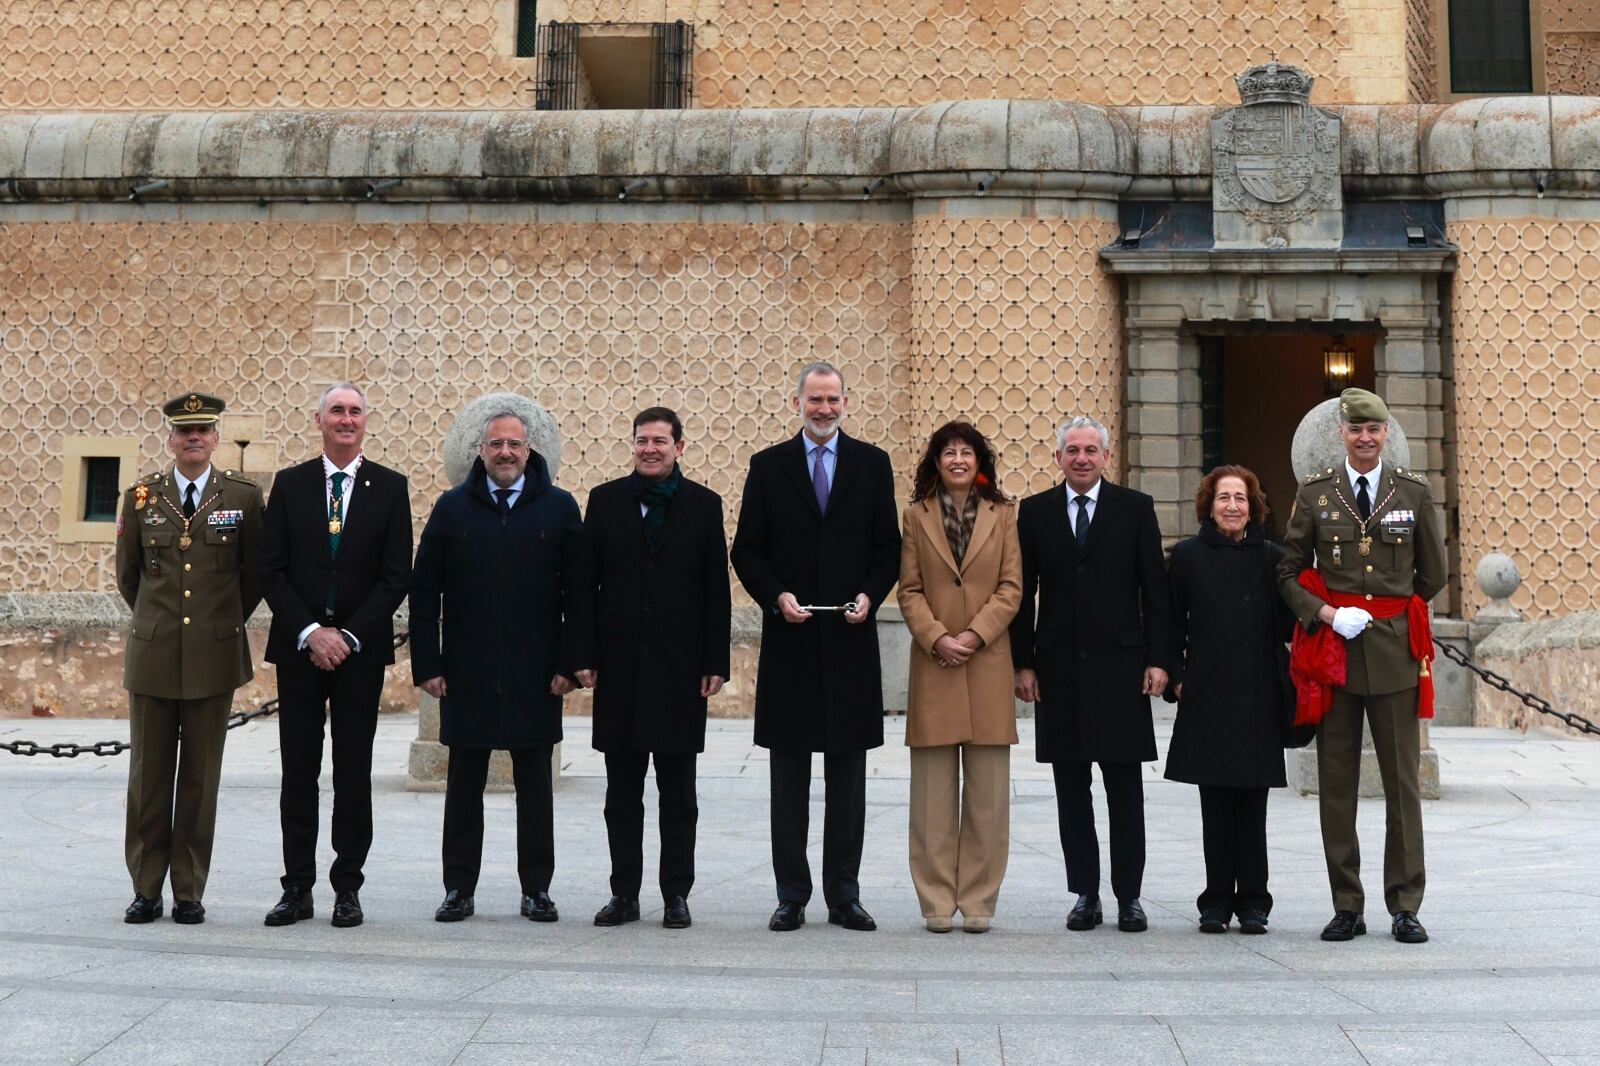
column 1363, row 501
column 336, row 510
column 819, row 481
column 1080, row 528
column 188, row 501
column 503, row 496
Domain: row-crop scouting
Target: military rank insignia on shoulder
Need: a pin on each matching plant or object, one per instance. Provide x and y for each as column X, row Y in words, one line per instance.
column 238, row 477
column 1318, row 475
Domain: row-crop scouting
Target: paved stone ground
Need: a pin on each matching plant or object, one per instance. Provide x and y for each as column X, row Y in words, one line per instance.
column 1512, row 975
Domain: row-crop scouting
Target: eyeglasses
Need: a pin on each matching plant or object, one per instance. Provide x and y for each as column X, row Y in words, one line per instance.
column 505, row 443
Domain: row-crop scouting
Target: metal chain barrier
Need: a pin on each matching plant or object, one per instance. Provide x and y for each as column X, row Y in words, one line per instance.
column 66, row 750
column 1498, row 681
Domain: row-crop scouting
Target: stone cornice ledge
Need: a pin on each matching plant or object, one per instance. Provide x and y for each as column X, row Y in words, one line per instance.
column 967, row 148
column 1496, row 146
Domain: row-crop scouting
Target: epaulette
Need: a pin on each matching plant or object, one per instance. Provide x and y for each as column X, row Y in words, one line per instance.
column 148, row 479
column 1412, row 474
column 235, row 475
column 1320, row 475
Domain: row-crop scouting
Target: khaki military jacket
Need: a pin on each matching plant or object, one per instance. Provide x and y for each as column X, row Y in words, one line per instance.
column 1405, row 556
column 190, row 590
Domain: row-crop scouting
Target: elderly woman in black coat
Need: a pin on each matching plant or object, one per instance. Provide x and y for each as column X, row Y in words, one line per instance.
column 1229, row 671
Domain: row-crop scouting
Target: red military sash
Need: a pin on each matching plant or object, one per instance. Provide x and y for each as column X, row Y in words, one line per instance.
column 1317, row 659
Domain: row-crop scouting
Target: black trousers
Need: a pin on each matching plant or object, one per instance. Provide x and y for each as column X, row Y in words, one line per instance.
column 678, row 813
column 1124, row 788
column 463, row 818
column 1234, row 827
column 307, row 699
column 844, row 824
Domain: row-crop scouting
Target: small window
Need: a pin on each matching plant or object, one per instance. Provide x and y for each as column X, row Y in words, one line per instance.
column 94, row 471
column 102, row 477
column 527, row 28
column 605, row 66
column 1490, row 46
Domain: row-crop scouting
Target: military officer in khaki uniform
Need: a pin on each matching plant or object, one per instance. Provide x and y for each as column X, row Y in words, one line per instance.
column 186, row 563
column 1363, row 555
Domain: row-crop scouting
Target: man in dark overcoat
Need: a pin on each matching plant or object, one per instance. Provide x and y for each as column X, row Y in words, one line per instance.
column 1091, row 657
column 818, row 529
column 335, row 552
column 657, row 650
column 501, row 563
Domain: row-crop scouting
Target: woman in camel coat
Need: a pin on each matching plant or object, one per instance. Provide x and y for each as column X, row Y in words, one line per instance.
column 960, row 586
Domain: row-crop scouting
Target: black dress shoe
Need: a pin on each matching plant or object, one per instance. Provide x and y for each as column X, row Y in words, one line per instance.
column 788, row 917
column 676, row 916
column 1252, row 923
column 852, row 915
column 1085, row 914
column 539, row 907
column 1407, row 929
column 143, row 909
column 188, row 912
column 617, row 911
column 455, row 907
column 1130, row 916
column 347, row 909
column 1346, row 925
column 295, row 906
column 1214, row 921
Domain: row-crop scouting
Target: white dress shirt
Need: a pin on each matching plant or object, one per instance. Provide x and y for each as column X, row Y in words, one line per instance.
column 349, row 490
column 199, row 483
column 1073, row 505
column 1374, row 479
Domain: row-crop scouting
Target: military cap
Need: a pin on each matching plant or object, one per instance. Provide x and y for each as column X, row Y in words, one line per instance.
column 1359, row 405
column 193, row 409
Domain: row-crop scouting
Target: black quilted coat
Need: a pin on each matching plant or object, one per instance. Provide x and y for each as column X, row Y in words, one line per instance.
column 1226, row 618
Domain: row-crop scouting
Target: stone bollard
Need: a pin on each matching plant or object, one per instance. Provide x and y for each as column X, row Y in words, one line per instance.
column 1316, row 446
column 426, row 769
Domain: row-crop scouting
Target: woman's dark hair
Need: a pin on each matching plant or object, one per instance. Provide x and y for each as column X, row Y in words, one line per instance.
column 926, row 480
column 1252, row 488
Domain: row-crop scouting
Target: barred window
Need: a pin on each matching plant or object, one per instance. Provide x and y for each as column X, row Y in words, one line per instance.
column 1491, row 46
column 527, row 28
column 101, row 478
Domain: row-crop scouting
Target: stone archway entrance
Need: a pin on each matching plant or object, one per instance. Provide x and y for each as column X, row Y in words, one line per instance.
column 1178, row 302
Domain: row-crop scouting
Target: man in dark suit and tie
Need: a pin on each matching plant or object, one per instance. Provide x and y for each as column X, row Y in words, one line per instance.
column 818, row 529
column 335, row 556
column 658, row 560
column 1091, row 658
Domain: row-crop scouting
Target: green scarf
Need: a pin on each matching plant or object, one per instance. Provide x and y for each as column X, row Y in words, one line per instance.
column 656, row 496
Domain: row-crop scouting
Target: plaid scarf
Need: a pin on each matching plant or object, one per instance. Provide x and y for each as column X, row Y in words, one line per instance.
column 958, row 526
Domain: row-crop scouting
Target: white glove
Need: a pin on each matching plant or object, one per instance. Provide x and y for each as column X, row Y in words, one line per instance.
column 1348, row 622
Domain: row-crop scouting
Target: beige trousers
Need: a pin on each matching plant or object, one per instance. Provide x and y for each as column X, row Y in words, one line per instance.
column 960, row 836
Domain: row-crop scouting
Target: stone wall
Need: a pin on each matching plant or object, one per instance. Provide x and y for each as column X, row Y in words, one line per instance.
column 1572, row 46
column 1557, row 659
column 1526, row 322
column 448, row 54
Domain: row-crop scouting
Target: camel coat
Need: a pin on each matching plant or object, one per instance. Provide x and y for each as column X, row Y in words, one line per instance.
column 969, row 704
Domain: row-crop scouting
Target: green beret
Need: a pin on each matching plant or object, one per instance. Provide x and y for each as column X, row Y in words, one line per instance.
column 193, row 409
column 1359, row 405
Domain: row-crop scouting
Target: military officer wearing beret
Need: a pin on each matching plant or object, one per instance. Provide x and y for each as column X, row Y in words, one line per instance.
column 1363, row 555
column 186, row 565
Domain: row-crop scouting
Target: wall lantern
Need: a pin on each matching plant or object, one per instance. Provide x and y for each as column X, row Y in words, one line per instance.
column 1338, row 366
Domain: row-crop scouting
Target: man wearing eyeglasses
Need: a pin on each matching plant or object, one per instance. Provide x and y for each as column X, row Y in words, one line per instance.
column 497, row 601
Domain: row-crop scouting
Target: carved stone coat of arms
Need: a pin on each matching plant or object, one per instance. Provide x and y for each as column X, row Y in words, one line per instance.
column 1275, row 165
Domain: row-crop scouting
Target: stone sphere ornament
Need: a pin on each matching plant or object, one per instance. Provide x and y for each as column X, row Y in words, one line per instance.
column 1317, row 446
column 466, row 432
column 1498, row 576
